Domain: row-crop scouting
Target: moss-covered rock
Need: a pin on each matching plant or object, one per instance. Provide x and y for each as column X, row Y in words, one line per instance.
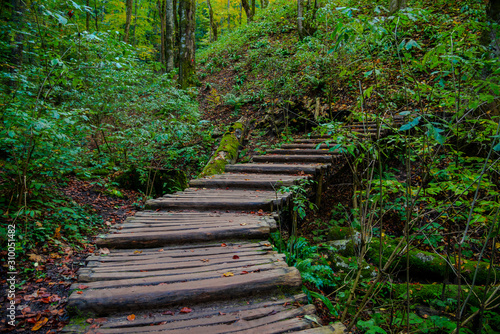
column 340, row 233
column 427, row 265
column 343, row 265
column 227, row 152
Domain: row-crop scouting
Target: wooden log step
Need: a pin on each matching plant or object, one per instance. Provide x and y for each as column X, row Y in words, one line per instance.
column 312, row 140
column 235, row 268
column 264, row 320
column 106, row 301
column 240, row 180
column 145, row 254
column 294, row 158
column 302, row 146
column 91, row 276
column 300, row 151
column 194, row 248
column 159, row 237
column 162, row 261
column 245, row 309
column 276, row 168
column 226, row 199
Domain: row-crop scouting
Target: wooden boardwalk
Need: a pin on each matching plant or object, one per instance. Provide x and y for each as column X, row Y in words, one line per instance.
column 198, row 261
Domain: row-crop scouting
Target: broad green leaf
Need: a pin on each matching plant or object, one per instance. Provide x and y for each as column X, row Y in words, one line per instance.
column 410, row 125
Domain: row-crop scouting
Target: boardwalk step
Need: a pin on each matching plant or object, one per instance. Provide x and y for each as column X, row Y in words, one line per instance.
column 327, row 158
column 303, row 146
column 159, row 230
column 276, row 168
column 221, row 199
column 222, row 317
column 301, row 151
column 242, row 180
column 102, row 301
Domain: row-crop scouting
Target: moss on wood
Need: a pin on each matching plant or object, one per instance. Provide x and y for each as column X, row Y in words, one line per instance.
column 227, row 152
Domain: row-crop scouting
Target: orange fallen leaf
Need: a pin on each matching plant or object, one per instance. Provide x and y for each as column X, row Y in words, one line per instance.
column 244, row 272
column 40, row 324
column 79, row 292
column 161, row 250
column 137, row 252
column 131, row 317
column 82, row 287
column 89, row 320
column 223, row 245
column 186, row 310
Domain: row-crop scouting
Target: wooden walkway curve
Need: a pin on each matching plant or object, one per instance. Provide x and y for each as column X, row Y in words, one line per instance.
column 198, row 261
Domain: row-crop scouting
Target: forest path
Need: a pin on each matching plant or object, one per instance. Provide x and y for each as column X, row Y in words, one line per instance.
column 196, row 263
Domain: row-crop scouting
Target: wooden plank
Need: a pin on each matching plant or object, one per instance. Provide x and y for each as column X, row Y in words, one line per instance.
column 105, row 301
column 161, row 237
column 296, row 158
column 235, row 268
column 251, row 321
column 329, row 329
column 248, row 181
column 175, row 259
column 330, row 145
column 275, row 168
column 300, row 151
column 180, row 264
column 90, row 276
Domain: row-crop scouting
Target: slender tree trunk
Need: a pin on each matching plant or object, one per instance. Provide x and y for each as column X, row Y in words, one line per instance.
column 396, row 5
column 169, row 35
column 87, row 17
column 300, row 18
column 248, row 10
column 187, row 63
column 96, row 16
column 262, row 3
column 162, row 15
column 228, row 15
column 17, row 47
column 128, row 19
column 213, row 25
column 134, row 28
column 253, row 8
column 177, row 13
column 241, row 13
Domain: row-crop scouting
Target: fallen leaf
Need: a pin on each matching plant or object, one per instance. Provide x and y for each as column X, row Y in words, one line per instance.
column 36, row 258
column 137, row 252
column 83, row 287
column 243, row 224
column 131, row 317
column 161, row 250
column 244, row 272
column 205, row 260
column 186, row 310
column 101, row 320
column 236, row 257
column 104, row 251
column 90, row 321
column 79, row 292
column 168, row 313
column 223, row 245
column 228, row 274
column 57, row 233
column 221, row 313
column 40, row 324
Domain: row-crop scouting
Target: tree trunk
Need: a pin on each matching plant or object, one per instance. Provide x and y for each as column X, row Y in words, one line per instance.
column 87, row 17
column 396, row 5
column 128, row 19
column 17, row 48
column 262, row 3
column 213, row 25
column 228, row 15
column 177, row 36
column 248, row 11
column 187, row 64
column 163, row 16
column 253, row 8
column 134, row 40
column 169, row 36
column 96, row 17
column 493, row 35
column 300, row 18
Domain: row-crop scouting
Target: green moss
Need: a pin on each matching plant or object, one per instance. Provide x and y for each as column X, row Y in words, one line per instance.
column 340, row 232
column 227, row 152
column 427, row 265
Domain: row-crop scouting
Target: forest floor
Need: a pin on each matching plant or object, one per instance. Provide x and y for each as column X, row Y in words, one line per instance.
column 44, row 289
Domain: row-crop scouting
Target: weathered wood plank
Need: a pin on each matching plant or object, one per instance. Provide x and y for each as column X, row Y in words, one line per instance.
column 105, row 301
column 294, row 158
column 304, row 151
column 275, row 168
